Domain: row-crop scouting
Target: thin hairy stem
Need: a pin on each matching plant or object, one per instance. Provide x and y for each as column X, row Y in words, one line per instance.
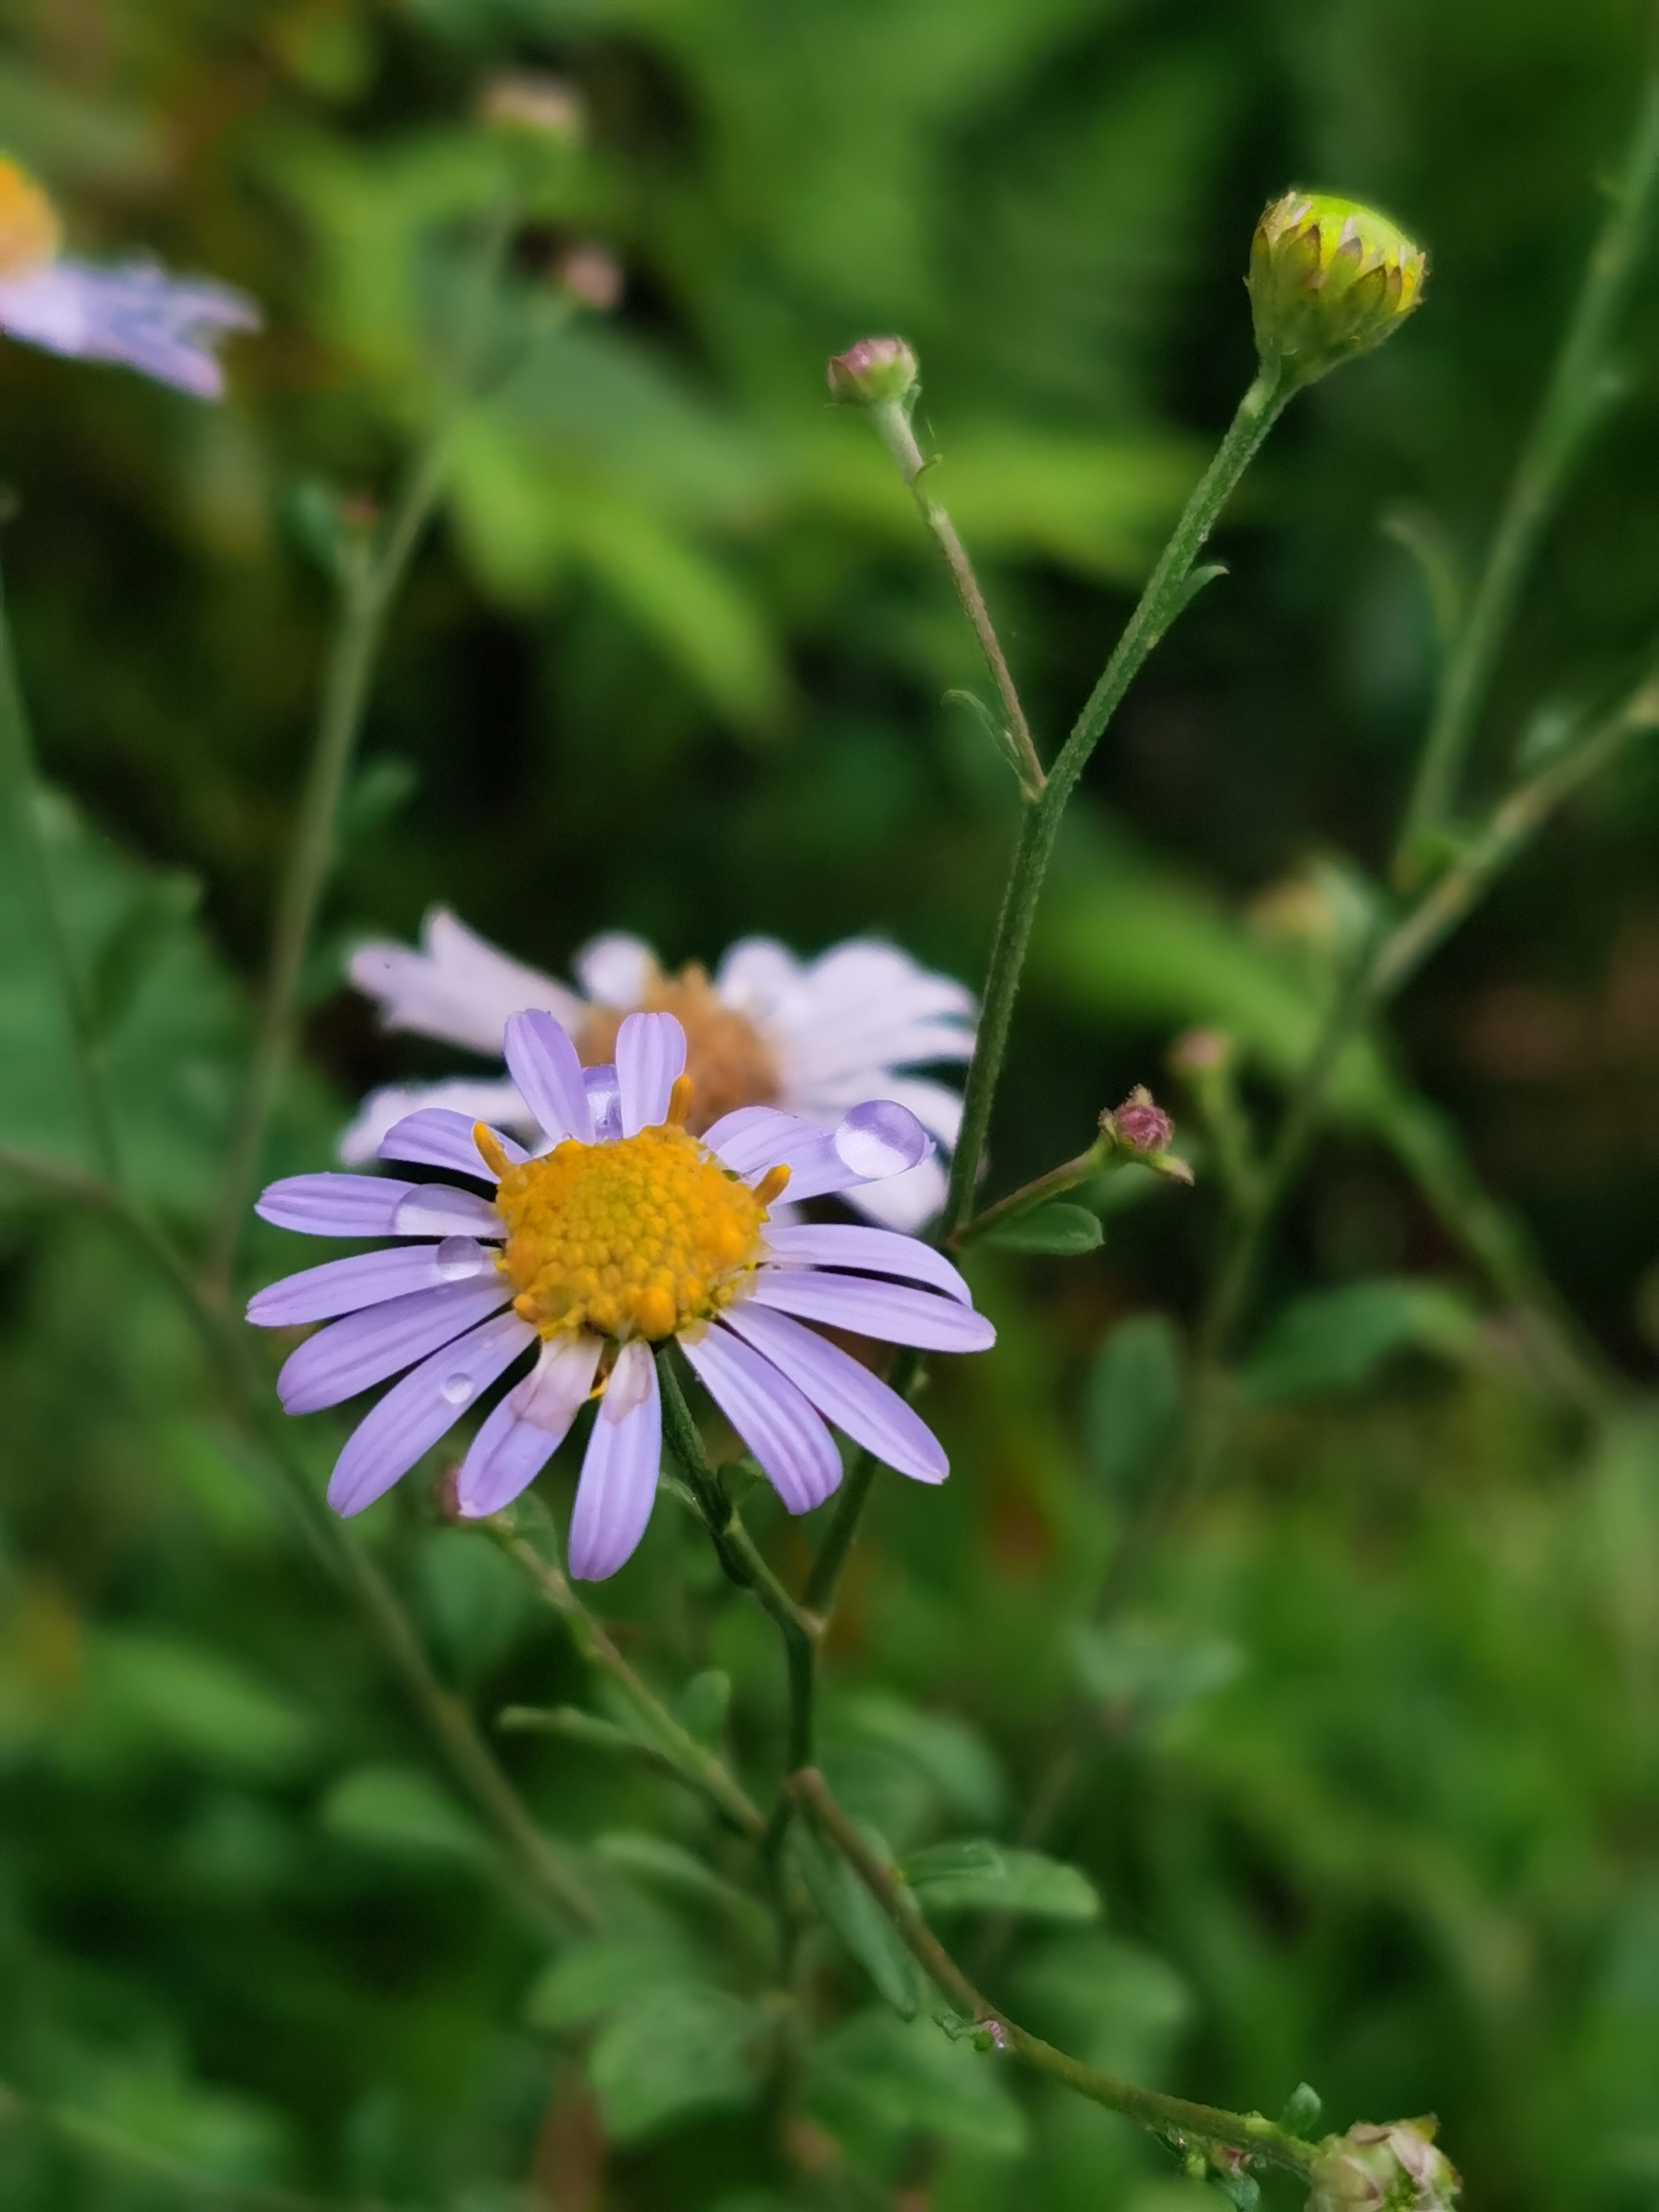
column 738, row 1554
column 1168, row 590
column 1175, row 2118
column 1030, row 1195
column 692, row 1761
column 20, row 780
column 892, row 423
column 366, row 594
column 371, row 578
column 1581, row 385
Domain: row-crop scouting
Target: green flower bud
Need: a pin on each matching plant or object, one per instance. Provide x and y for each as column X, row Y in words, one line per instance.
column 875, row 372
column 1387, row 2169
column 1329, row 279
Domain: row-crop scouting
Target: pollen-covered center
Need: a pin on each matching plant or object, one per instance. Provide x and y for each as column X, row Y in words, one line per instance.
column 729, row 1062
column 29, row 235
column 634, row 1238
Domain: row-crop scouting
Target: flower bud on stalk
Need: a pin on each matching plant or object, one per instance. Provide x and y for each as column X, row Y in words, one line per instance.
column 875, row 373
column 1329, row 279
column 1141, row 1128
column 1382, row 2169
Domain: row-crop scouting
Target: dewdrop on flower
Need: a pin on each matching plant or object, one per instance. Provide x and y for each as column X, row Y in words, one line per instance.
column 1329, row 279
column 620, row 1230
column 131, row 312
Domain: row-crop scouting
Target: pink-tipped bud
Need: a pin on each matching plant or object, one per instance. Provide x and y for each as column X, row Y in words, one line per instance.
column 874, row 372
column 1140, row 1124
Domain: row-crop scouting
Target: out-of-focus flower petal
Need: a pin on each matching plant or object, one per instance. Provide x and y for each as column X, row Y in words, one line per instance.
column 132, row 312
column 500, row 1103
column 458, row 986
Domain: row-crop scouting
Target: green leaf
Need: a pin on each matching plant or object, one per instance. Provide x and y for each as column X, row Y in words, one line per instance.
column 675, row 2050
column 1131, row 1401
column 590, row 1979
column 1337, row 1340
column 986, row 1877
column 858, row 1921
column 880, row 2084
column 397, row 1811
column 951, row 1758
column 1058, row 1228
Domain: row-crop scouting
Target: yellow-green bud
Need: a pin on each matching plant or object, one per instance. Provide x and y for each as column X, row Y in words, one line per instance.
column 1329, row 279
column 874, row 372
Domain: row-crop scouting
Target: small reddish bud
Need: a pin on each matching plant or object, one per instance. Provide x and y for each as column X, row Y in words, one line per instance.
column 874, row 372
column 1140, row 1124
column 1382, row 2169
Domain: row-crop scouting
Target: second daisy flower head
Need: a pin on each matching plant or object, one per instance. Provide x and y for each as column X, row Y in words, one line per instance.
column 619, row 1231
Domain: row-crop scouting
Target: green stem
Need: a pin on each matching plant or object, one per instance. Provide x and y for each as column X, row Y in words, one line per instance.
column 366, row 596
column 1578, row 389
column 447, row 1721
column 1159, row 604
column 1176, row 2118
column 892, row 423
column 694, row 1761
column 742, row 1561
column 850, row 1502
column 1030, row 1195
column 371, row 579
column 19, row 780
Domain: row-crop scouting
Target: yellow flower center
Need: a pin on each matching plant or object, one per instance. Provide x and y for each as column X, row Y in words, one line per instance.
column 29, row 236
column 725, row 1056
column 632, row 1238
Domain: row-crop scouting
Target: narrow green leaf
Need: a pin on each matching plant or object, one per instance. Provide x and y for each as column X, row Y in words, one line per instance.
column 986, row 1877
column 397, row 1811
column 858, row 1921
column 1338, row 1339
column 1058, row 1227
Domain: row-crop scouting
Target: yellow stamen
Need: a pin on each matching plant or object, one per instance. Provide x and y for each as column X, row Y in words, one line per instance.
column 631, row 1239
column 679, row 1102
column 490, row 1149
column 771, row 1185
column 29, row 235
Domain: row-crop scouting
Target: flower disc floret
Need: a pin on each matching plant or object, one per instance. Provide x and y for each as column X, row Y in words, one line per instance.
column 636, row 1238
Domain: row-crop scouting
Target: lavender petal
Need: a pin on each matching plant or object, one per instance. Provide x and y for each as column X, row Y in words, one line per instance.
column 353, row 1354
column 411, row 1417
column 776, row 1422
column 843, row 1392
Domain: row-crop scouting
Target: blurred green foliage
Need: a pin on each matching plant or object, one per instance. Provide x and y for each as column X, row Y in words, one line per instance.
column 1366, row 1781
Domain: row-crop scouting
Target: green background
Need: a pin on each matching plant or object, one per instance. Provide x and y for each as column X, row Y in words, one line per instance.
column 1366, row 1781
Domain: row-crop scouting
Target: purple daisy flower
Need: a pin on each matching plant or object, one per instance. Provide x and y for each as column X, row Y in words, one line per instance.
column 132, row 312
column 620, row 1231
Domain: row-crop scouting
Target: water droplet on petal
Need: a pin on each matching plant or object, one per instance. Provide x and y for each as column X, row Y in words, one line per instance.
column 881, row 1138
column 458, row 1257
column 603, row 1102
column 458, row 1388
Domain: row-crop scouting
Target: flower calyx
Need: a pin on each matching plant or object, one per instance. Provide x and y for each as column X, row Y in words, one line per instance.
column 1141, row 1128
column 1392, row 2168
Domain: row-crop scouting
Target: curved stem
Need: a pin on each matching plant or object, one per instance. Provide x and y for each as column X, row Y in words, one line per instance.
column 1176, row 2118
column 892, row 423
column 1579, row 387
